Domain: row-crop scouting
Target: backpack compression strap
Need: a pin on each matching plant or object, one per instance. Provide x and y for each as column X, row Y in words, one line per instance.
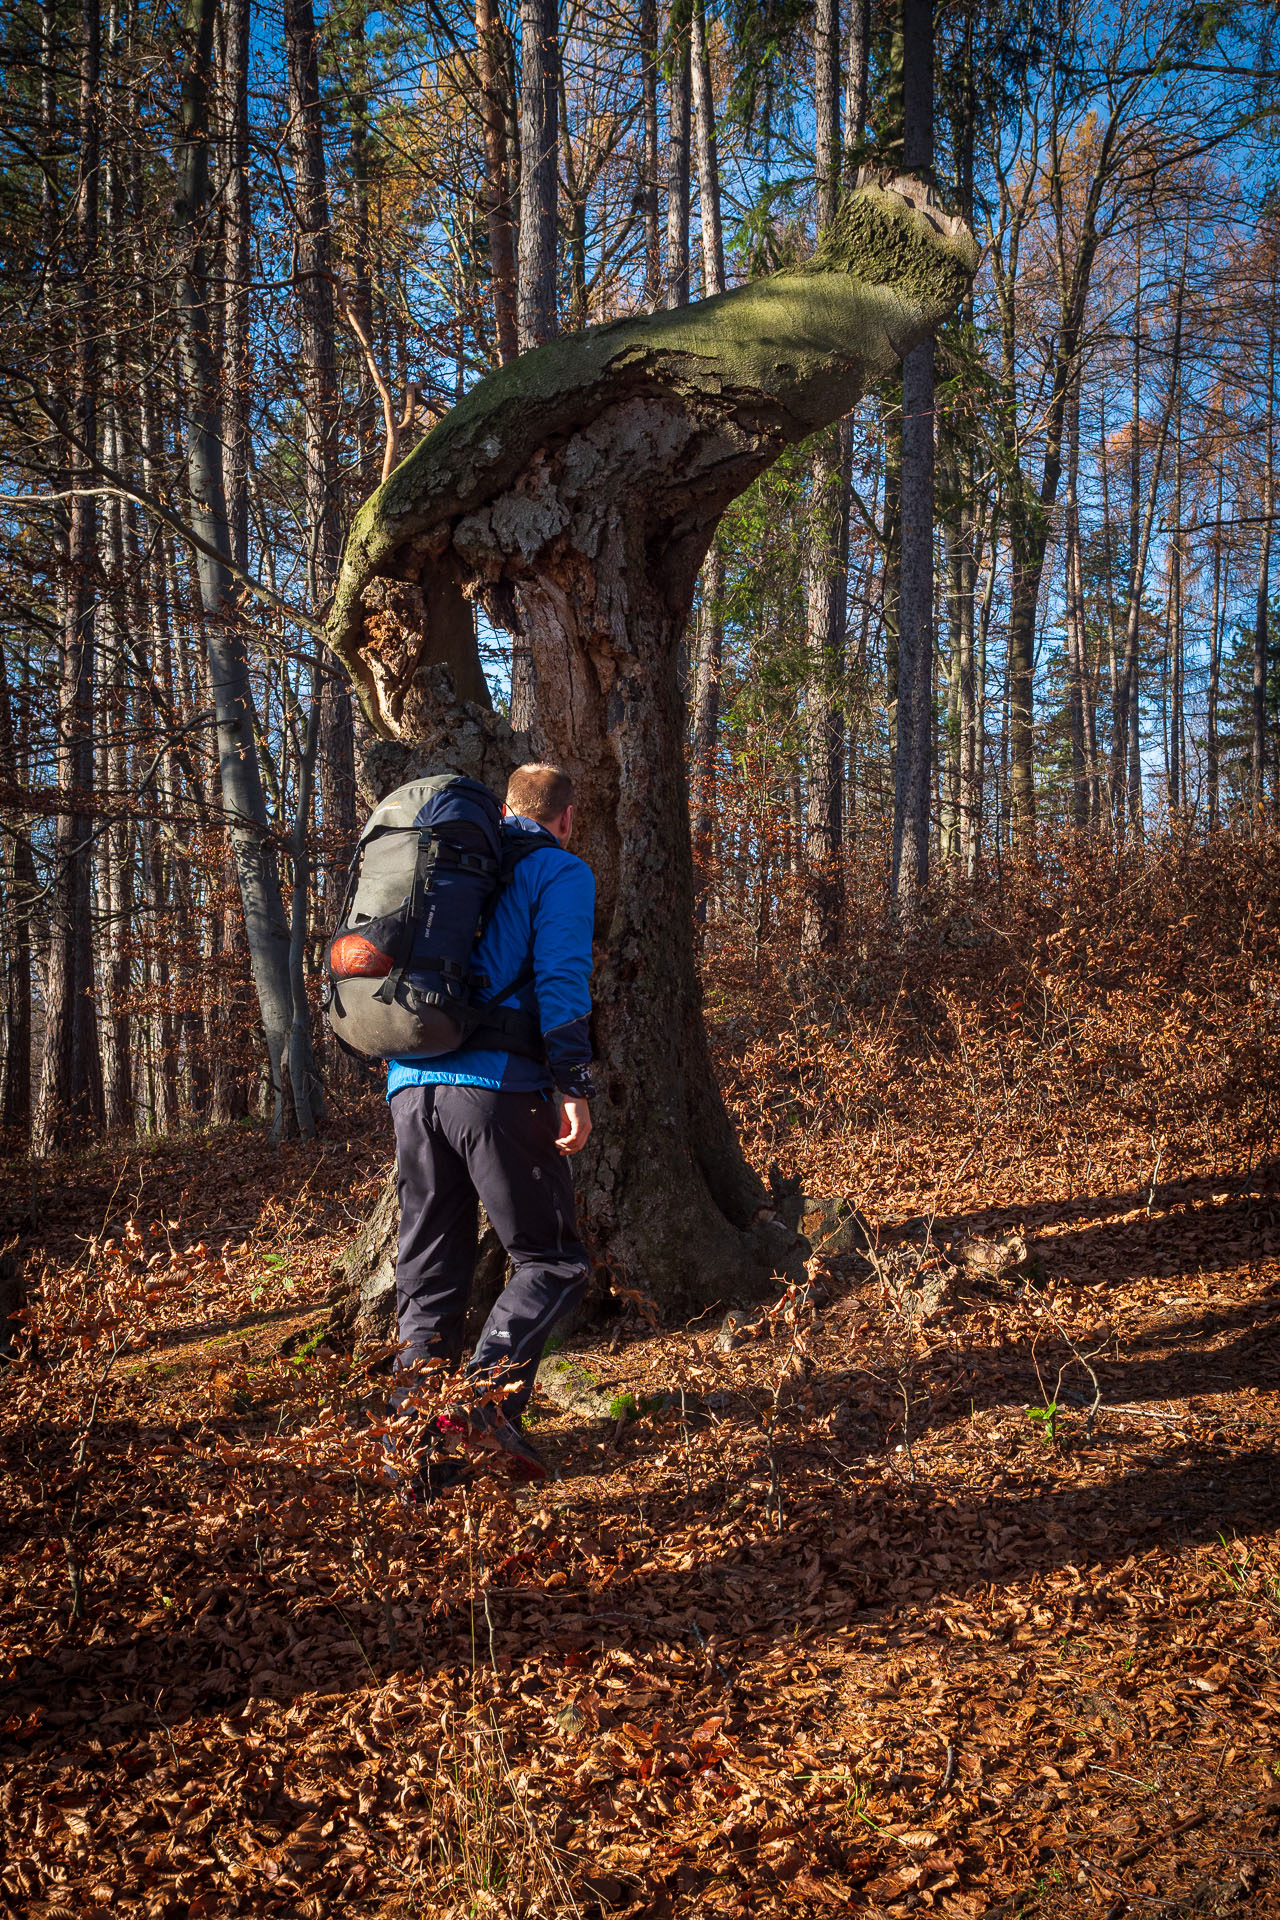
column 432, row 853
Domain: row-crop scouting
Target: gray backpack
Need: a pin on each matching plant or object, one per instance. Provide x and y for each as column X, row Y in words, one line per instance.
column 428, row 869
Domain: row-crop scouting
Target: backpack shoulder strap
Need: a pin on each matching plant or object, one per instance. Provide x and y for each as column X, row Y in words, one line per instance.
column 518, row 846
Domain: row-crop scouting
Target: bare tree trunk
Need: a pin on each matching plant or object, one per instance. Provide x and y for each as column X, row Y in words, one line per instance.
column 1126, row 755
column 857, row 64
column 19, row 884
column 1220, row 598
column 1261, row 635
column 891, row 579
column 705, row 728
column 678, row 116
column 704, row 120
column 825, row 581
column 237, row 236
column 70, row 1101
column 539, row 153
column 1076, row 643
column 1177, row 746
column 240, row 775
column 490, row 56
column 648, row 33
column 710, row 633
column 914, row 765
column 114, row 877
column 313, row 285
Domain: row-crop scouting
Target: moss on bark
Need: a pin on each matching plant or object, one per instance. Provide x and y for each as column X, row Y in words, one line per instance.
column 574, row 492
column 775, row 359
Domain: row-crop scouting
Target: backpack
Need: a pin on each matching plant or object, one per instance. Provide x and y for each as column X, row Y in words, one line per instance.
column 428, row 870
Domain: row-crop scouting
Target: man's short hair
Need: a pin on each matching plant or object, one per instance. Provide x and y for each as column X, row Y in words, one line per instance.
column 539, row 792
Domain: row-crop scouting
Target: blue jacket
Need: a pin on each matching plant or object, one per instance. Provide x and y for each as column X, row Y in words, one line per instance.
column 545, row 914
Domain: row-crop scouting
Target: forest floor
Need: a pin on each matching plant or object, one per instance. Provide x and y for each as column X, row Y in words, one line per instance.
column 886, row 1617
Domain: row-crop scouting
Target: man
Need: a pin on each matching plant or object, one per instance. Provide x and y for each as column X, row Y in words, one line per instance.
column 483, row 1124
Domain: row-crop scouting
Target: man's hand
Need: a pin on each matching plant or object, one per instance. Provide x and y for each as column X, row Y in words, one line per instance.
column 575, row 1126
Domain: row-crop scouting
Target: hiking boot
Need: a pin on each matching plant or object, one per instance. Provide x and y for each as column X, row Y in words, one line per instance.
column 433, row 1479
column 487, row 1430
column 420, row 1480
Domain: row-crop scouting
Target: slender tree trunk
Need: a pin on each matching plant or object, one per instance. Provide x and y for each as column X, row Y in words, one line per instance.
column 891, row 578
column 490, row 56
column 704, row 120
column 678, row 117
column 240, row 775
column 974, row 811
column 539, row 171
column 314, row 289
column 1220, row 598
column 114, row 876
column 237, row 239
column 705, row 717
column 19, row 883
column 70, row 1103
column 857, row 66
column 913, row 772
column 1177, row 749
column 825, row 584
column 1126, row 744
column 1076, row 643
column 1262, row 605
column 705, row 728
column 539, row 153
column 648, row 31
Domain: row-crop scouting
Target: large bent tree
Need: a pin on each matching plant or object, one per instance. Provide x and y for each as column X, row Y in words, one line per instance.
column 573, row 494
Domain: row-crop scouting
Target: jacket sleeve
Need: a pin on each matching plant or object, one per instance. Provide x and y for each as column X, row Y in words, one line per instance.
column 562, row 924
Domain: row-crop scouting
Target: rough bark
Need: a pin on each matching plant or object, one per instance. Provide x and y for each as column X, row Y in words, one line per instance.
column 539, row 146
column 237, row 232
column 648, row 34
column 678, row 132
column 499, row 217
column 18, row 879
column 575, row 493
column 704, row 122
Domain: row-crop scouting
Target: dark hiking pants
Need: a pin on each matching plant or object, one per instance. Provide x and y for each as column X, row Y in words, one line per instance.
column 456, row 1145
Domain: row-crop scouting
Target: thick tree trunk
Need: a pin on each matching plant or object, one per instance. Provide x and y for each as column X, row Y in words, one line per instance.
column 576, row 492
